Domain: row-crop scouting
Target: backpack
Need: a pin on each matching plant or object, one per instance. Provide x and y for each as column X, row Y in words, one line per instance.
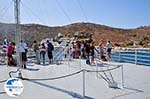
column 50, row 47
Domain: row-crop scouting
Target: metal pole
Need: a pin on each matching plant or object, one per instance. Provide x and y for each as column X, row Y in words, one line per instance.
column 17, row 32
column 83, row 83
column 80, row 61
column 119, row 55
column 122, row 76
column 135, row 56
column 70, row 57
column 96, row 68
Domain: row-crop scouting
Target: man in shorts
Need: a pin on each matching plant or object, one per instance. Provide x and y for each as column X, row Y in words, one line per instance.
column 23, row 53
column 50, row 48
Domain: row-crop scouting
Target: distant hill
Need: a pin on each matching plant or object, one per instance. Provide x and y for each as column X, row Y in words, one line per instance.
column 119, row 37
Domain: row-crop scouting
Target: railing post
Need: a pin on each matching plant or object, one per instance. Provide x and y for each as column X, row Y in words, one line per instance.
column 122, row 76
column 96, row 68
column 83, row 83
column 135, row 56
column 119, row 55
column 68, row 62
column 69, row 59
column 80, row 61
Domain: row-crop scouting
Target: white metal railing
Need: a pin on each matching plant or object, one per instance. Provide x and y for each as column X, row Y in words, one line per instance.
column 59, row 52
column 132, row 55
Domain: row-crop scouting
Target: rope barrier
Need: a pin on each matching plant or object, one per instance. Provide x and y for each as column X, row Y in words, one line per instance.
column 13, row 72
column 3, row 81
column 60, row 77
column 104, row 64
column 2, row 92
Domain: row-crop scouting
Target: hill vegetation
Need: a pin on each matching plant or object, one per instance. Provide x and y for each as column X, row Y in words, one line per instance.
column 119, row 37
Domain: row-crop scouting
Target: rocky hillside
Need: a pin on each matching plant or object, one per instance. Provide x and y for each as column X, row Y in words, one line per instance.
column 119, row 37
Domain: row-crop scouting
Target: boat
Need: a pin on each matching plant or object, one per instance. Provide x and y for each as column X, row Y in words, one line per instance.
column 69, row 78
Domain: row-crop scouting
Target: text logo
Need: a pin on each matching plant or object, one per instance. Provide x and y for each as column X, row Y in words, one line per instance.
column 13, row 87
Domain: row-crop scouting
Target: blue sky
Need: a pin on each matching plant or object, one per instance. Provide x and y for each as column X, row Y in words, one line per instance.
column 114, row 13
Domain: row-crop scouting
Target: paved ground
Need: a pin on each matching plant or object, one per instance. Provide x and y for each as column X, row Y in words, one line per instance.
column 136, row 82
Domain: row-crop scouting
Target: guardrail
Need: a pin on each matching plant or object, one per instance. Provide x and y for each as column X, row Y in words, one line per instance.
column 139, row 56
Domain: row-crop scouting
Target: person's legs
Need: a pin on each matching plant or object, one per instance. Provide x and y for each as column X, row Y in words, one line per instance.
column 108, row 54
column 88, row 59
column 101, row 55
column 48, row 53
column 21, row 60
column 40, row 54
column 92, row 59
column 37, row 57
column 9, row 61
column 24, row 59
column 14, row 61
column 50, row 56
column 109, row 59
column 43, row 56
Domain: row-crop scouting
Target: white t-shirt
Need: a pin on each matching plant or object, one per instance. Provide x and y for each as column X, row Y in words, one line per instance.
column 101, row 47
column 22, row 47
column 109, row 45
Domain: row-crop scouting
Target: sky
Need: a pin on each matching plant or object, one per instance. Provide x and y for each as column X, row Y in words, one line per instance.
column 114, row 13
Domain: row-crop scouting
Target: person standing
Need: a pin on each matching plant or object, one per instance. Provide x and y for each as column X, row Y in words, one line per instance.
column 23, row 52
column 43, row 52
column 78, row 47
column 82, row 49
column 73, row 49
column 92, row 51
column 66, row 50
column 5, row 44
column 10, row 52
column 109, row 47
column 50, row 48
column 35, row 48
column 87, row 50
column 101, row 47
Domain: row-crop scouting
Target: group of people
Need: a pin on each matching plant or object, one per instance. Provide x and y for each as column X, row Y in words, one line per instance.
column 9, row 49
column 84, row 49
column 88, row 51
column 108, row 50
column 40, row 51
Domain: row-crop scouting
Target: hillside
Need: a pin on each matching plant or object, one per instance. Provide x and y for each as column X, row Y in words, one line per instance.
column 119, row 37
